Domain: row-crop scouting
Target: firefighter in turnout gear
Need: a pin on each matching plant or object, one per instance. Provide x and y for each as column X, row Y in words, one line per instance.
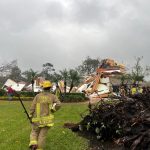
column 57, row 92
column 41, row 113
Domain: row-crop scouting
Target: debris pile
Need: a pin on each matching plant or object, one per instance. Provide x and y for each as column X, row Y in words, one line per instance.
column 98, row 85
column 127, row 122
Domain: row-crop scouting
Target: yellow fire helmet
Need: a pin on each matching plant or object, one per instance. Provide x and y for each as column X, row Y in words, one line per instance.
column 46, row 84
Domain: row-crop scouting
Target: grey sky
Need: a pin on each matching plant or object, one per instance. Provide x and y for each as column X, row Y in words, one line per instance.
column 65, row 32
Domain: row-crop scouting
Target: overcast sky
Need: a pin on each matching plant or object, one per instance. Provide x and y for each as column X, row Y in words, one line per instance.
column 65, row 32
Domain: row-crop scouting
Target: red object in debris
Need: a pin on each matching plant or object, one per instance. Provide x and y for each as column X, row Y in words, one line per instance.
column 10, row 90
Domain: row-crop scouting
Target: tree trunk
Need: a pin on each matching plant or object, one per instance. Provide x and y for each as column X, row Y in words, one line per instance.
column 71, row 86
column 32, row 82
column 65, row 85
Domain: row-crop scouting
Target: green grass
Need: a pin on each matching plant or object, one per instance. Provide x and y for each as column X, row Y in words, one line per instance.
column 15, row 128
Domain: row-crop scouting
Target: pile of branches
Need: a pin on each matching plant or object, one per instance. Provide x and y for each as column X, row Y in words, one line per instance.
column 126, row 122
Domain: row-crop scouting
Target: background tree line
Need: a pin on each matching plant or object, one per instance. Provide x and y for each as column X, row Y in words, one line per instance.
column 71, row 77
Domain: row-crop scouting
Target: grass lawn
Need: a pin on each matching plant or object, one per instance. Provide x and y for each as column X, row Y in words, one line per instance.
column 15, row 128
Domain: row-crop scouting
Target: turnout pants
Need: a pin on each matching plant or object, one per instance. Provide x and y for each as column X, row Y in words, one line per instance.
column 38, row 136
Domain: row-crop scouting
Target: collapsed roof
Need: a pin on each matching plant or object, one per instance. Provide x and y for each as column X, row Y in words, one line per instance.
column 110, row 66
column 14, row 85
column 99, row 85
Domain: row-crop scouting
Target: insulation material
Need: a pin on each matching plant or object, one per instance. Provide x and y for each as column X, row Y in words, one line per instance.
column 82, row 88
column 95, row 83
column 104, row 80
column 102, row 89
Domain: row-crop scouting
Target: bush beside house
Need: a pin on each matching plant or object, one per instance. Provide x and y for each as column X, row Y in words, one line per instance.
column 73, row 97
column 68, row 97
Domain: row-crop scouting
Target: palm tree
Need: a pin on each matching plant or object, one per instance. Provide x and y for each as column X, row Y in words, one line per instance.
column 48, row 68
column 64, row 75
column 56, row 78
column 74, row 78
column 30, row 76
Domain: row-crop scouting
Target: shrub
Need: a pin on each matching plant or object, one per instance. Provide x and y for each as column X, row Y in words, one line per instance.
column 2, row 92
column 15, row 98
column 73, row 97
column 21, row 93
column 26, row 94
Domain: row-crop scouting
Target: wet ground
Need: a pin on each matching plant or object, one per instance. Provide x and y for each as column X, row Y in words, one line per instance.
column 95, row 144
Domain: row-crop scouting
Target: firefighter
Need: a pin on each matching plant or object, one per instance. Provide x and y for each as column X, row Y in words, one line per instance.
column 41, row 113
column 10, row 92
column 122, row 91
column 57, row 92
column 134, row 90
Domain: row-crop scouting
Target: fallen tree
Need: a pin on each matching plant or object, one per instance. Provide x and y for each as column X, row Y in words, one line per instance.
column 126, row 122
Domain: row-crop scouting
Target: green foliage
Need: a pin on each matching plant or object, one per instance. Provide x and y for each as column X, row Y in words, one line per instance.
column 65, row 76
column 71, row 78
column 48, row 68
column 15, row 98
column 2, row 92
column 30, row 75
column 89, row 66
column 74, row 78
column 139, row 72
column 125, row 78
column 22, row 93
column 10, row 70
column 73, row 97
column 15, row 74
column 102, row 121
column 27, row 94
column 56, row 77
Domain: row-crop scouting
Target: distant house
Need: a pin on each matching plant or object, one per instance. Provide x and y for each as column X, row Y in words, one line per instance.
column 14, row 85
column 37, row 86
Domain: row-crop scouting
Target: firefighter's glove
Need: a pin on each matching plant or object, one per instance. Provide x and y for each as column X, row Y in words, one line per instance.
column 52, row 110
column 30, row 116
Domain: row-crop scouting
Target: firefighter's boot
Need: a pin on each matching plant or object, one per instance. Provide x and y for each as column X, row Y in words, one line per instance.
column 33, row 147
